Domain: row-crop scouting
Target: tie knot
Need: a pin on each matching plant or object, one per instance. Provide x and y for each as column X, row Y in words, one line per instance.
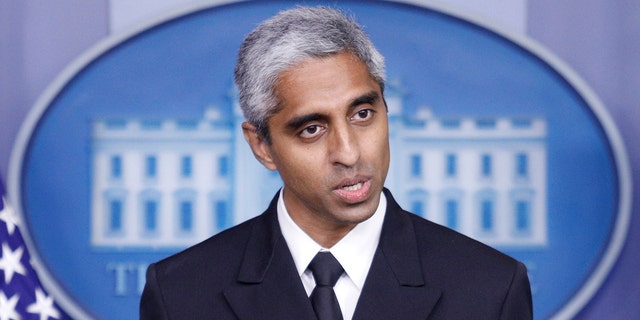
column 326, row 269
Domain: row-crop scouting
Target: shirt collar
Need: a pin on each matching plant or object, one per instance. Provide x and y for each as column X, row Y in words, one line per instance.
column 354, row 252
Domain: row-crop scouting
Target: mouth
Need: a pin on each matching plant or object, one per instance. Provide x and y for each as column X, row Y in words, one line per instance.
column 354, row 190
column 353, row 187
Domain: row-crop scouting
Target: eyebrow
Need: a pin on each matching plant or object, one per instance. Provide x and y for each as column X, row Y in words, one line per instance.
column 297, row 122
column 367, row 98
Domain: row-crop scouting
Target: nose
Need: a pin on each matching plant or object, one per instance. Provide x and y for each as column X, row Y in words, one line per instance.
column 343, row 146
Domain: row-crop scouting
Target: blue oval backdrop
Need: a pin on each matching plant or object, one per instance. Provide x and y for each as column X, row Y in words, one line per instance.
column 463, row 98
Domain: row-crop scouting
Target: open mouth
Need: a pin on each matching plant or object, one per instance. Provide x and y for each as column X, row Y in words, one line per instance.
column 353, row 187
column 354, row 191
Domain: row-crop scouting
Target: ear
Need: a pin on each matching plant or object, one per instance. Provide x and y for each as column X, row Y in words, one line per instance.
column 260, row 147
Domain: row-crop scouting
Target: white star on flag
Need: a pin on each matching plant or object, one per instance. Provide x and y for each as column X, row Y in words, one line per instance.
column 10, row 262
column 43, row 306
column 8, row 307
column 8, row 216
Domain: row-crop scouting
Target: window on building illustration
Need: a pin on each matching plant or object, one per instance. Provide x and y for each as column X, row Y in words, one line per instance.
column 417, row 207
column 115, row 216
column 187, row 124
column 116, row 124
column 150, row 215
column 486, row 215
column 522, row 123
column 222, row 216
column 186, row 166
column 486, row 123
column 450, row 123
column 418, row 202
column 416, row 165
column 186, row 216
column 522, row 165
column 451, row 165
column 223, row 166
column 486, row 164
column 151, row 163
column 523, row 216
column 451, row 210
column 151, row 124
column 116, row 166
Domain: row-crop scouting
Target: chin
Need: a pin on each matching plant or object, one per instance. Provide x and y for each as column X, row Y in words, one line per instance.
column 360, row 216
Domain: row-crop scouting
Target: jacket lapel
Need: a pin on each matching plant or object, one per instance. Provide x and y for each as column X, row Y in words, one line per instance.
column 268, row 285
column 395, row 287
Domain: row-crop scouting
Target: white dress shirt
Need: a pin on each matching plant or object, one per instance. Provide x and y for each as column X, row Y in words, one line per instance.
column 354, row 252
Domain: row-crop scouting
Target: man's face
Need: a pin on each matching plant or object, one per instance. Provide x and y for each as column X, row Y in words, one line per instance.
column 329, row 142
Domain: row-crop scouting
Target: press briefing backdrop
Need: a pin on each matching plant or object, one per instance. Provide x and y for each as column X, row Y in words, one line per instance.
column 558, row 79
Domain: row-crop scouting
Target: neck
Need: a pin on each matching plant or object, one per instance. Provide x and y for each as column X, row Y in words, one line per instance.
column 325, row 237
column 324, row 228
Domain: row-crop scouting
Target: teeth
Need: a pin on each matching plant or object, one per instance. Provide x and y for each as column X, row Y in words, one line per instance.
column 354, row 187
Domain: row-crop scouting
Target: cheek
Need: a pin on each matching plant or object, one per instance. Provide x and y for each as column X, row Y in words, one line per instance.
column 378, row 145
column 298, row 165
column 384, row 154
column 379, row 152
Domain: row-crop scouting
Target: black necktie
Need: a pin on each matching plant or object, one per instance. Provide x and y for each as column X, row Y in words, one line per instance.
column 326, row 271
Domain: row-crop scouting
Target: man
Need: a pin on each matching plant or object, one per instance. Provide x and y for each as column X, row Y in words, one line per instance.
column 311, row 87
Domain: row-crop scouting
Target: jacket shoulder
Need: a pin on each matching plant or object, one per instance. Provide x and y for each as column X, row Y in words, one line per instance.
column 189, row 284
column 470, row 271
column 443, row 240
column 225, row 247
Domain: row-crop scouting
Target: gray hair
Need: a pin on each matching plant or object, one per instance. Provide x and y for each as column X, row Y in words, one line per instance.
column 286, row 39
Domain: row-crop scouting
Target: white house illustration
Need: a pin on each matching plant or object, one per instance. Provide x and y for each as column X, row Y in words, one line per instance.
column 173, row 182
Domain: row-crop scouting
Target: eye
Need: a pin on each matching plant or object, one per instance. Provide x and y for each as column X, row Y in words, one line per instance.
column 311, row 131
column 362, row 115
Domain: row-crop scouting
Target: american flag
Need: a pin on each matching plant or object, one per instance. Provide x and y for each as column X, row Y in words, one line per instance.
column 22, row 295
